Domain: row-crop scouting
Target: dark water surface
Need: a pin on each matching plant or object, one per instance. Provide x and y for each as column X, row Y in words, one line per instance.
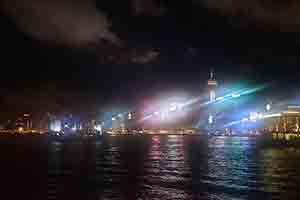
column 149, row 167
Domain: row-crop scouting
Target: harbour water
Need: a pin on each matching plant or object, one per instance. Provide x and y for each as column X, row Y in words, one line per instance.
column 149, row 167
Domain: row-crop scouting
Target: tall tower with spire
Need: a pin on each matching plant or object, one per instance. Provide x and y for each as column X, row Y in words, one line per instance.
column 212, row 84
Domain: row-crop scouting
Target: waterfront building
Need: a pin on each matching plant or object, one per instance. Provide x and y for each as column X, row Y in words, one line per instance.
column 212, row 84
column 23, row 122
column 284, row 121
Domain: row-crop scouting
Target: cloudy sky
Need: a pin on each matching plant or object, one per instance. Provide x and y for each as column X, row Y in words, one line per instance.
column 78, row 22
column 283, row 15
column 98, row 51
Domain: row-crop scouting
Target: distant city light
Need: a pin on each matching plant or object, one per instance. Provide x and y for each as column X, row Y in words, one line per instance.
column 253, row 116
column 212, row 95
column 163, row 116
column 180, row 106
column 98, row 128
column 55, row 126
column 74, row 128
column 173, row 107
column 129, row 116
column 210, row 119
column 268, row 107
column 163, row 131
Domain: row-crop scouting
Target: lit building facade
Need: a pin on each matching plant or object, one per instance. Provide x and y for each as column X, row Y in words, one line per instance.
column 24, row 122
column 116, row 123
column 285, row 121
column 55, row 125
column 212, row 84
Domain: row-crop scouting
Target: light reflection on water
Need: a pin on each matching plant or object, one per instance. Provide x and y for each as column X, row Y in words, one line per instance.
column 174, row 167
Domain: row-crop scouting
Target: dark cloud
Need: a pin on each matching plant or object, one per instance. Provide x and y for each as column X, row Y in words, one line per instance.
column 147, row 7
column 80, row 23
column 283, row 14
column 145, row 57
column 110, row 53
column 68, row 22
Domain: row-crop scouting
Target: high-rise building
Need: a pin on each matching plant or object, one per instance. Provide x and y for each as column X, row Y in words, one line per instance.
column 55, row 125
column 115, row 123
column 131, row 120
column 212, row 86
column 27, row 121
column 24, row 121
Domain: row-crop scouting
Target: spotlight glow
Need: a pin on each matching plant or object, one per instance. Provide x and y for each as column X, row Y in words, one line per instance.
column 173, row 107
column 273, row 115
column 98, row 128
column 129, row 116
column 55, row 126
column 210, row 119
column 220, row 98
column 235, row 95
column 268, row 107
column 245, row 119
column 253, row 116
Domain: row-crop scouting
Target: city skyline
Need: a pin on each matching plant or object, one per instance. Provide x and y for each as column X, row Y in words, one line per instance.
column 150, row 99
column 154, row 53
column 168, row 110
column 128, row 56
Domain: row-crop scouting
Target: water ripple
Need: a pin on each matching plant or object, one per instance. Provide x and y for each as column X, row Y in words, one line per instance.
column 182, row 167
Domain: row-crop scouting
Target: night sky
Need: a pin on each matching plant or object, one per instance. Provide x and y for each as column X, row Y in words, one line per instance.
column 85, row 55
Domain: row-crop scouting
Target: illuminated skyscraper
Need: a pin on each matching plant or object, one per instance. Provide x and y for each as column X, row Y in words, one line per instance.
column 24, row 121
column 212, row 86
column 27, row 121
column 115, row 123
